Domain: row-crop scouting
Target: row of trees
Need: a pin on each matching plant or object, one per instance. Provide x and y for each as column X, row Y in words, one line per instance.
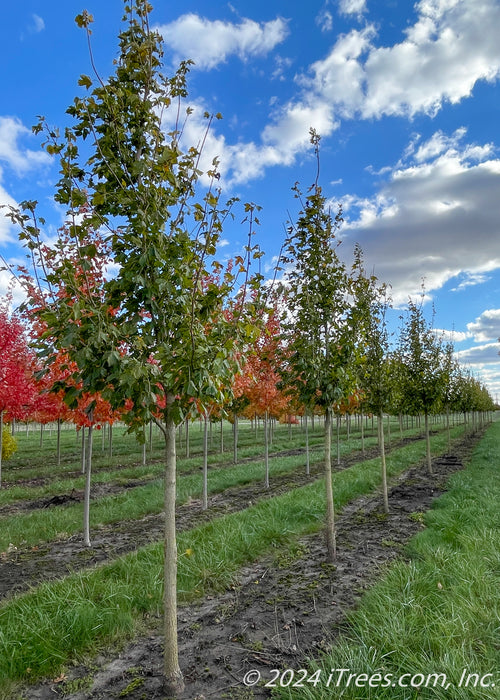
column 165, row 336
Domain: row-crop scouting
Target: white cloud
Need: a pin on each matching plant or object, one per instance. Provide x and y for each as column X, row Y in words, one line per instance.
column 9, row 285
column 339, row 79
column 486, row 326
column 471, row 279
column 451, row 46
column 209, row 43
column 352, row 7
column 324, row 20
column 38, row 24
column 280, row 141
column 6, row 227
column 486, row 354
column 435, row 218
column 452, row 336
column 20, row 160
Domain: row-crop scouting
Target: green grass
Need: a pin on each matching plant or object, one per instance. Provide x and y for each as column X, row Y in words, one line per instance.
column 440, row 612
column 44, row 629
column 32, row 528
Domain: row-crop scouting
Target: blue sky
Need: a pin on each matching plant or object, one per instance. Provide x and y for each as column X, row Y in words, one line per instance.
column 405, row 96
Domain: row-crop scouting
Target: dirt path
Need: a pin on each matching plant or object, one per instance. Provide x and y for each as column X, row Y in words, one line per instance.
column 282, row 610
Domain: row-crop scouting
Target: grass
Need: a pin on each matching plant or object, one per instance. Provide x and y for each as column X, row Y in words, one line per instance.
column 44, row 629
column 32, row 528
column 438, row 613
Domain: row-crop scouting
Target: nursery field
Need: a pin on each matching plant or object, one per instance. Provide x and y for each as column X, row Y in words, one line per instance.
column 256, row 594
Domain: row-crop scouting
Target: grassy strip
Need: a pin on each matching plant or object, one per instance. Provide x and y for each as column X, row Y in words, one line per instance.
column 437, row 614
column 44, row 629
column 105, row 469
column 38, row 526
column 43, row 525
column 126, row 450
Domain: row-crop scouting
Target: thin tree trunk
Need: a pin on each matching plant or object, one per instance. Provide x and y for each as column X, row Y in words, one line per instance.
column 266, row 444
column 235, row 439
column 173, row 681
column 205, row 461
column 110, row 440
column 428, row 444
column 187, row 438
column 331, row 546
column 338, row 439
column 380, row 425
column 58, row 447
column 41, row 434
column 362, row 434
column 84, row 460
column 308, row 467
column 221, row 435
column 86, row 498
column 448, row 428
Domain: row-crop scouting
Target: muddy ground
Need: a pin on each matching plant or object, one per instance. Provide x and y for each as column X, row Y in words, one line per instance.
column 282, row 610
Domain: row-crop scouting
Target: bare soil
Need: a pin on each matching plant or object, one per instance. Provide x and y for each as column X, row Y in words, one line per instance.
column 283, row 610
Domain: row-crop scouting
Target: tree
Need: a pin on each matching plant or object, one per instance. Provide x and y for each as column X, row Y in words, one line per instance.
column 261, row 378
column 422, row 378
column 17, row 388
column 143, row 338
column 316, row 329
column 372, row 351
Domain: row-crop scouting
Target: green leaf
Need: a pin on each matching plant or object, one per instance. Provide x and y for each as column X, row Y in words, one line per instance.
column 85, row 81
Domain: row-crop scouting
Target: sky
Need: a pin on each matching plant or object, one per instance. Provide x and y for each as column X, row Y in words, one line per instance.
column 405, row 97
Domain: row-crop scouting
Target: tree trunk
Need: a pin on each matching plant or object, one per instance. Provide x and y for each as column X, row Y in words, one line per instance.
column 205, row 461
column 110, row 441
column 380, row 425
column 86, row 498
column 266, row 444
column 84, row 459
column 448, row 434
column 338, row 439
column 331, row 547
column 235, row 439
column 173, row 681
column 308, row 467
column 221, row 435
column 362, row 434
column 58, row 448
column 428, row 444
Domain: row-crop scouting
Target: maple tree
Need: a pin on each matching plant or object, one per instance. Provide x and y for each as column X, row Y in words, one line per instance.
column 371, row 351
column 316, row 325
column 17, row 363
column 260, row 378
column 422, row 378
column 141, row 335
